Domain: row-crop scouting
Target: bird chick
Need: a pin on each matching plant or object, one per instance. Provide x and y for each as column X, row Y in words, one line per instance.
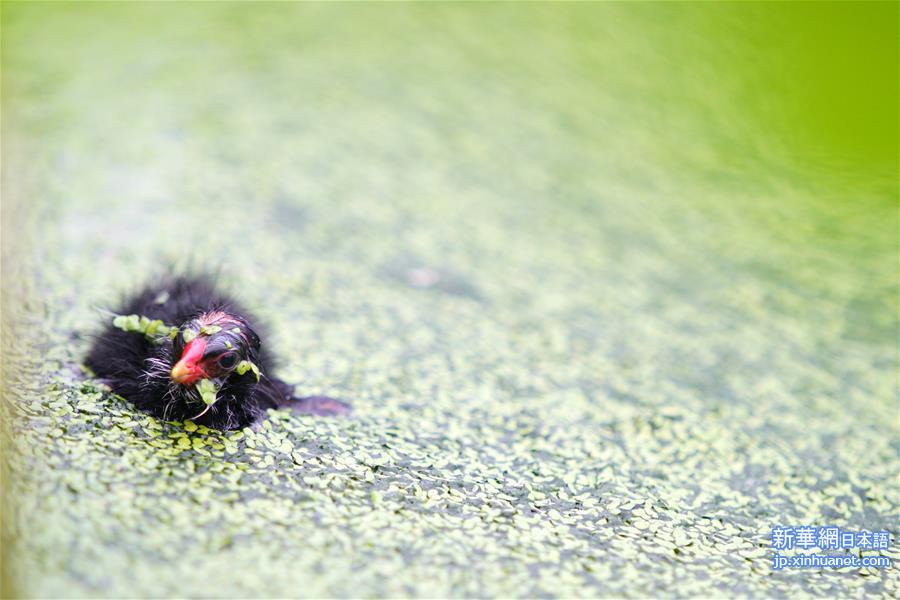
column 183, row 350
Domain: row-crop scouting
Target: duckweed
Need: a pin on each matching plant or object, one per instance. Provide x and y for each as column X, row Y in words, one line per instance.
column 631, row 356
column 246, row 365
column 208, row 391
column 153, row 329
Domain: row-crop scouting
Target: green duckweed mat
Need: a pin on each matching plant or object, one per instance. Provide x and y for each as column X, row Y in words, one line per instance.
column 606, row 308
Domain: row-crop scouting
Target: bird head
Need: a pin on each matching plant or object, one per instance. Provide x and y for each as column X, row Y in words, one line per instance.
column 213, row 346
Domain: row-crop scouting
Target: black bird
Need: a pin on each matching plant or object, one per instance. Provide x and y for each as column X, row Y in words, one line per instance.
column 182, row 350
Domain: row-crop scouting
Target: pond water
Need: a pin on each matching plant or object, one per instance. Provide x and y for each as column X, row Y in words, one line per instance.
column 612, row 288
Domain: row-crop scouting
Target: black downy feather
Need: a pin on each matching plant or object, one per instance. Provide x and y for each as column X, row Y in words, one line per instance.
column 139, row 368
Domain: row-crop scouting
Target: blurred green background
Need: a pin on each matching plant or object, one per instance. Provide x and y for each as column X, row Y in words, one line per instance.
column 612, row 287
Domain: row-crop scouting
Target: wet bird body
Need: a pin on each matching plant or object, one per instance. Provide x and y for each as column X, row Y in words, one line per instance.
column 214, row 344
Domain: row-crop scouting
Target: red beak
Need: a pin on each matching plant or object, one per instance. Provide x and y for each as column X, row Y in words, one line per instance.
column 188, row 370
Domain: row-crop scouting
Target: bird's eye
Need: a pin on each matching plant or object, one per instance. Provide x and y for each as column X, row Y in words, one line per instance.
column 228, row 360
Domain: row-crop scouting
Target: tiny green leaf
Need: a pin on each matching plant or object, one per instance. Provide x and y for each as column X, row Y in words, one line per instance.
column 246, row 365
column 188, row 334
column 153, row 327
column 207, row 391
column 210, row 329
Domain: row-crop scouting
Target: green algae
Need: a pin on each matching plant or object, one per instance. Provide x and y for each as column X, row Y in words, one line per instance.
column 595, row 347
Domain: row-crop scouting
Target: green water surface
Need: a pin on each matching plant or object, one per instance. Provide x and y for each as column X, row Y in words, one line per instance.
column 611, row 287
